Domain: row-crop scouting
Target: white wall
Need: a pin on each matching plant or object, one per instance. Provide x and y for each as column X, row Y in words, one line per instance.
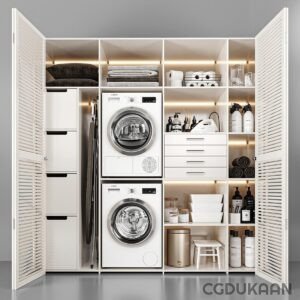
column 142, row 18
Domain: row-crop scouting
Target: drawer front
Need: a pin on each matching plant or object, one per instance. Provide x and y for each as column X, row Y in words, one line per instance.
column 62, row 152
column 195, row 150
column 195, row 139
column 61, row 193
column 179, row 161
column 62, row 110
column 196, row 173
column 62, row 243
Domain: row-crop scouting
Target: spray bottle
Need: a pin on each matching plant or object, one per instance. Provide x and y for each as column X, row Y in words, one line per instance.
column 248, row 119
column 236, row 118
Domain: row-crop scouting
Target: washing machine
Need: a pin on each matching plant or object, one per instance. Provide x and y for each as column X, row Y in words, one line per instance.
column 132, row 135
column 131, row 225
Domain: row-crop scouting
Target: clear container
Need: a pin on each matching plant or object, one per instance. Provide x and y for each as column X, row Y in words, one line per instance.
column 237, row 75
column 184, row 216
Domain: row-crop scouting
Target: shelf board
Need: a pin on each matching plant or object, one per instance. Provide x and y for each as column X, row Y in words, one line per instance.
column 242, row 225
column 241, row 179
column 208, row 267
column 242, row 270
column 190, row 224
column 241, row 87
column 242, row 133
column 131, row 88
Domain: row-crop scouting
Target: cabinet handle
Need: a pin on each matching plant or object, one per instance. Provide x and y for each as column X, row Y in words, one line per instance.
column 194, row 138
column 194, row 172
column 57, row 217
column 57, row 174
column 57, row 132
column 194, row 150
column 57, row 91
column 195, row 161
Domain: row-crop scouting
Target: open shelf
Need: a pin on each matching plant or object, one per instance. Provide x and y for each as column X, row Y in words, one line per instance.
column 209, row 267
column 191, row 224
column 241, row 270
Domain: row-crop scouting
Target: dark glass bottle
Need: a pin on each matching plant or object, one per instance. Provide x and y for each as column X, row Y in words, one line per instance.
column 169, row 125
column 247, row 212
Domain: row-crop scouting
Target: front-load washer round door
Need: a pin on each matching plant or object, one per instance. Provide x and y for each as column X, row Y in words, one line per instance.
column 131, row 221
column 131, row 131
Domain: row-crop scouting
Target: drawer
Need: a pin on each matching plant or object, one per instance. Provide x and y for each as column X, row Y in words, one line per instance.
column 62, row 195
column 196, row 173
column 62, row 249
column 195, row 150
column 195, row 139
column 202, row 161
column 61, row 151
column 62, row 109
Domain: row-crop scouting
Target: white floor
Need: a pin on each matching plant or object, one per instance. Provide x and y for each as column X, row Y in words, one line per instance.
column 132, row 286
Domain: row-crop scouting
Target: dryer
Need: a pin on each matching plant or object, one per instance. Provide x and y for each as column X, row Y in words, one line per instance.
column 131, row 225
column 132, row 135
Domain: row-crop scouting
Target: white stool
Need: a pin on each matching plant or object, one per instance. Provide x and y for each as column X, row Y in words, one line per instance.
column 211, row 248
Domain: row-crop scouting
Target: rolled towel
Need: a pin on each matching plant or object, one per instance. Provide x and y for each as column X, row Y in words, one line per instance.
column 211, row 75
column 175, row 75
column 249, row 172
column 242, row 162
column 236, row 172
column 199, row 75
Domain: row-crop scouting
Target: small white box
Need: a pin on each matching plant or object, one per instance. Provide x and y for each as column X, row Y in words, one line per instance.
column 235, row 218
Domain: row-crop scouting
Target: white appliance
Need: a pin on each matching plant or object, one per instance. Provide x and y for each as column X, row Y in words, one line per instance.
column 131, row 135
column 132, row 225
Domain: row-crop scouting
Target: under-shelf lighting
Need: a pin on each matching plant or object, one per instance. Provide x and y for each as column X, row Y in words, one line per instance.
column 178, row 182
column 241, row 62
column 237, row 182
column 133, row 62
column 189, row 103
column 190, row 62
column 242, row 103
column 241, row 143
column 73, row 61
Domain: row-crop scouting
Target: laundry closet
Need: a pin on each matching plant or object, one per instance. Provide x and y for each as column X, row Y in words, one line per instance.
column 150, row 154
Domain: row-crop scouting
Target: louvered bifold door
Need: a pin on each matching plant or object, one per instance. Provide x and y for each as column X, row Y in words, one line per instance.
column 272, row 150
column 28, row 174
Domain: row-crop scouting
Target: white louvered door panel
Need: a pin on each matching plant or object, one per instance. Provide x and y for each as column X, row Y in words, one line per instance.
column 272, row 150
column 28, row 168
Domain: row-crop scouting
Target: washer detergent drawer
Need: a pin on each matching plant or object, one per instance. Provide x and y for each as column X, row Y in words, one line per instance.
column 196, row 173
column 195, row 139
column 62, row 109
column 62, row 243
column 61, row 151
column 195, row 150
column 61, row 193
column 201, row 161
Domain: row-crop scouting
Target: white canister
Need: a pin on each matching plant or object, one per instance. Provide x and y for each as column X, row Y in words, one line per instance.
column 250, row 250
column 173, row 218
column 235, row 250
column 184, row 216
column 169, row 211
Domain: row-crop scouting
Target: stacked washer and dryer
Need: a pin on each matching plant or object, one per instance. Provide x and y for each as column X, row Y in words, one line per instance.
column 131, row 200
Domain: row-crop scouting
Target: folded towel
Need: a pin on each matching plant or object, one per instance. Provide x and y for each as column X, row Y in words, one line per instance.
column 133, row 73
column 132, row 84
column 236, row 172
column 242, row 162
column 197, row 83
column 249, row 172
column 150, row 67
column 133, row 79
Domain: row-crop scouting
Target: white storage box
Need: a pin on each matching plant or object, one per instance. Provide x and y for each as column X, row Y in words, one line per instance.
column 206, row 207
column 206, row 217
column 61, row 107
column 206, row 198
column 62, row 194
column 62, row 243
column 62, row 151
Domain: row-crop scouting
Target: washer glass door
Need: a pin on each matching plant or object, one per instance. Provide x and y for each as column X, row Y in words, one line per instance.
column 131, row 221
column 131, row 131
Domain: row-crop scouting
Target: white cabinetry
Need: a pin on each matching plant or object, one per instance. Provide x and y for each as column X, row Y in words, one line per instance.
column 46, row 126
